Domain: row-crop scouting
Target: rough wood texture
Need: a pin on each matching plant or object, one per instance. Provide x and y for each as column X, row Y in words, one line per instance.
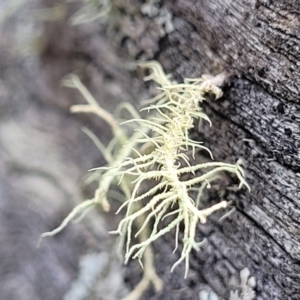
column 257, row 119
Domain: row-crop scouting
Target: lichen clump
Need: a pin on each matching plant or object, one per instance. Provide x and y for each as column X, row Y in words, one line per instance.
column 158, row 154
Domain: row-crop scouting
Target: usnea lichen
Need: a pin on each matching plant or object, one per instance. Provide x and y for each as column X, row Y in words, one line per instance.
column 176, row 107
column 155, row 155
column 91, row 10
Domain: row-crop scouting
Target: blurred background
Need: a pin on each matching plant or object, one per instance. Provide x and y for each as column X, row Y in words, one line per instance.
column 44, row 155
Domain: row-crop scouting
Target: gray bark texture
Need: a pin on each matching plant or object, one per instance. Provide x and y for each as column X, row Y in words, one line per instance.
column 44, row 155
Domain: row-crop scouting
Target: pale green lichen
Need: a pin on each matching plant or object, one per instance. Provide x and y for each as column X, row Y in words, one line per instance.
column 176, row 107
column 157, row 151
column 91, row 10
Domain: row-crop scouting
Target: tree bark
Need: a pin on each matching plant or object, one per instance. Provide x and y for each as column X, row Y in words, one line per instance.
column 256, row 120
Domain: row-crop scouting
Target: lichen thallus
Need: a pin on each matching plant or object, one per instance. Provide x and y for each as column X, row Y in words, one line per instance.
column 156, row 151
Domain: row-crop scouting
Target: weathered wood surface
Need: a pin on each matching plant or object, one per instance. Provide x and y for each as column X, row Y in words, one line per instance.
column 257, row 120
